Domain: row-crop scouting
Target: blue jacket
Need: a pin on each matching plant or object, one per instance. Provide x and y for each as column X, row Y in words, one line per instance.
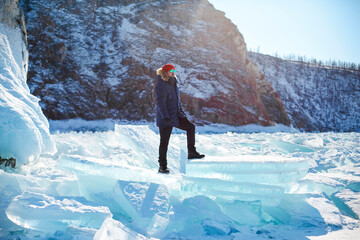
column 168, row 103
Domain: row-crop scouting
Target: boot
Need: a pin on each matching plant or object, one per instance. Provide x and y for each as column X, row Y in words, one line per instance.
column 8, row 162
column 164, row 169
column 11, row 162
column 195, row 155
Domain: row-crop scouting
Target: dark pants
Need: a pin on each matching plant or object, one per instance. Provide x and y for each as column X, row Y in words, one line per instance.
column 165, row 133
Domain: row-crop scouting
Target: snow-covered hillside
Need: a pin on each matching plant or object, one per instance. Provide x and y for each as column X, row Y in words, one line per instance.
column 315, row 98
column 97, row 60
column 105, row 185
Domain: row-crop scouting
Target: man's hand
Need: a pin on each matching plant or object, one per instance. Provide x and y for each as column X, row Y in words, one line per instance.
column 167, row 121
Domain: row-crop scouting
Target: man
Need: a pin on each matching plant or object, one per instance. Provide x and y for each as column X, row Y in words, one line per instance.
column 169, row 114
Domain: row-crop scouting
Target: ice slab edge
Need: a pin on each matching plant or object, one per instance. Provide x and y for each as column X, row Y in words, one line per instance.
column 249, row 168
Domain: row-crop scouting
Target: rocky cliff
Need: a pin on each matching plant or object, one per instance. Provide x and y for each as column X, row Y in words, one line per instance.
column 97, row 59
column 315, row 98
column 13, row 16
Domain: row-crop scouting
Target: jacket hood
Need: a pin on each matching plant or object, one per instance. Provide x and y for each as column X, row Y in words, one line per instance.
column 163, row 74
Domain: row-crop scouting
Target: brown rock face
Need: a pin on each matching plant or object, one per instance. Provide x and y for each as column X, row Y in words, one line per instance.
column 270, row 98
column 97, row 59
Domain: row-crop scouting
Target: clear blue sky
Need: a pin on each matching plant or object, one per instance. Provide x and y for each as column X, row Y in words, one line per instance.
column 322, row 29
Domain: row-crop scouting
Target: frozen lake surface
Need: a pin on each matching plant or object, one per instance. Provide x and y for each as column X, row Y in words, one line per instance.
column 105, row 185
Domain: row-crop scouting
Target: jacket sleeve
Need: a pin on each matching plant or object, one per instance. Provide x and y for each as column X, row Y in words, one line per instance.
column 161, row 95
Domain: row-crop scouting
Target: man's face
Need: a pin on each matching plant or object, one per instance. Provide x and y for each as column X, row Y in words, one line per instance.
column 171, row 73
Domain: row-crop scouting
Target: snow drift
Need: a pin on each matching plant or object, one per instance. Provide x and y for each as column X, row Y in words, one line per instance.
column 24, row 130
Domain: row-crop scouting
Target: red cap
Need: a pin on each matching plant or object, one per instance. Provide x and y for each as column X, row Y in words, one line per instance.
column 168, row 67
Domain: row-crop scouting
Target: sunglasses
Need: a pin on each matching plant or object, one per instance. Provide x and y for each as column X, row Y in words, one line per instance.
column 173, row 71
